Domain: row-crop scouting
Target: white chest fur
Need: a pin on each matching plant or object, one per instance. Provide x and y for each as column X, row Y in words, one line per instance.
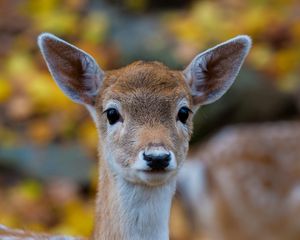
column 146, row 210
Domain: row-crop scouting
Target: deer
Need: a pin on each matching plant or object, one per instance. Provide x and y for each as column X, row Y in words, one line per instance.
column 143, row 114
column 244, row 183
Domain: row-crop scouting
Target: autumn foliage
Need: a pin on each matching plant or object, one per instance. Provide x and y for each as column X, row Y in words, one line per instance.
column 34, row 112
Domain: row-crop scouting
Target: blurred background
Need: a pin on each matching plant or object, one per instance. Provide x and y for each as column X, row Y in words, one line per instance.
column 48, row 144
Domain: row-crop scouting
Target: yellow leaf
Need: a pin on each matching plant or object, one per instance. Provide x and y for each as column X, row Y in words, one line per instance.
column 29, row 190
column 5, row 90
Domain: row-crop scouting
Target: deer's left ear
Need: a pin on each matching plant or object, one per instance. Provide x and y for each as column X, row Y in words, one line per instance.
column 212, row 72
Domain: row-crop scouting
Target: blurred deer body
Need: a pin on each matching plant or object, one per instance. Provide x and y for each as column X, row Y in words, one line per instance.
column 143, row 113
column 12, row 234
column 245, row 183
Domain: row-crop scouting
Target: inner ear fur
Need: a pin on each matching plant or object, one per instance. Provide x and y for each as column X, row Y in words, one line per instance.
column 211, row 73
column 75, row 71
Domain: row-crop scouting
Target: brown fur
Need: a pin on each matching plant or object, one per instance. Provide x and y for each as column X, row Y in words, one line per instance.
column 148, row 96
column 12, row 234
column 148, row 92
column 252, row 188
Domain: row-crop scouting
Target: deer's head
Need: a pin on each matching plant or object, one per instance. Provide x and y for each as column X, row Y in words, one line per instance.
column 144, row 111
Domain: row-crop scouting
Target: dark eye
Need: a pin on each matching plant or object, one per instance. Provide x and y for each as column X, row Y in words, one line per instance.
column 113, row 115
column 183, row 114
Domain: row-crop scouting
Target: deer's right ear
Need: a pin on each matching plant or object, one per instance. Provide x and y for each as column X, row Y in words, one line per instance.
column 75, row 71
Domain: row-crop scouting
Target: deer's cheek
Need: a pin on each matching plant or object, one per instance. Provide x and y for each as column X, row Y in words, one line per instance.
column 123, row 154
column 181, row 147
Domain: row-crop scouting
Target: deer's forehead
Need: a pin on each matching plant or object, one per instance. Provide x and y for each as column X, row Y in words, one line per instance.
column 143, row 102
column 147, row 108
column 145, row 85
column 152, row 76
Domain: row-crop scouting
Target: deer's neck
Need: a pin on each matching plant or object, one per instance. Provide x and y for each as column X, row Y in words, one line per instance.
column 129, row 211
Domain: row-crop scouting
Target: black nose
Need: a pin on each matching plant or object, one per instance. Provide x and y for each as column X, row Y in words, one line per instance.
column 157, row 162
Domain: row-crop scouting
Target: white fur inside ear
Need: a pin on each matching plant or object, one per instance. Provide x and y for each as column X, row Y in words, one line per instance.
column 44, row 36
column 212, row 72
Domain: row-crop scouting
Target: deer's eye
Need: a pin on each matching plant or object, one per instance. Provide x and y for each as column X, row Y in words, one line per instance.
column 183, row 114
column 113, row 115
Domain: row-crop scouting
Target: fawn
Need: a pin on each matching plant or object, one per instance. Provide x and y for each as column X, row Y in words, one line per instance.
column 244, row 183
column 143, row 113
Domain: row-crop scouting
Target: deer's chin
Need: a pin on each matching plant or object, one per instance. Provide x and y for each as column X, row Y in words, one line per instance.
column 149, row 178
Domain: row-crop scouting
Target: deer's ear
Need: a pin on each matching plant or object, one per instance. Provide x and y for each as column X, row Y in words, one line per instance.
column 75, row 71
column 212, row 72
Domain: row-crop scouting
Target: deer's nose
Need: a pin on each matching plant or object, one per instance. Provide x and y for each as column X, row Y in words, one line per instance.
column 157, row 161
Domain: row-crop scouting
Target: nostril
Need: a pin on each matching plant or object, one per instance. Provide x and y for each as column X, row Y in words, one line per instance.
column 162, row 157
column 147, row 157
column 157, row 162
